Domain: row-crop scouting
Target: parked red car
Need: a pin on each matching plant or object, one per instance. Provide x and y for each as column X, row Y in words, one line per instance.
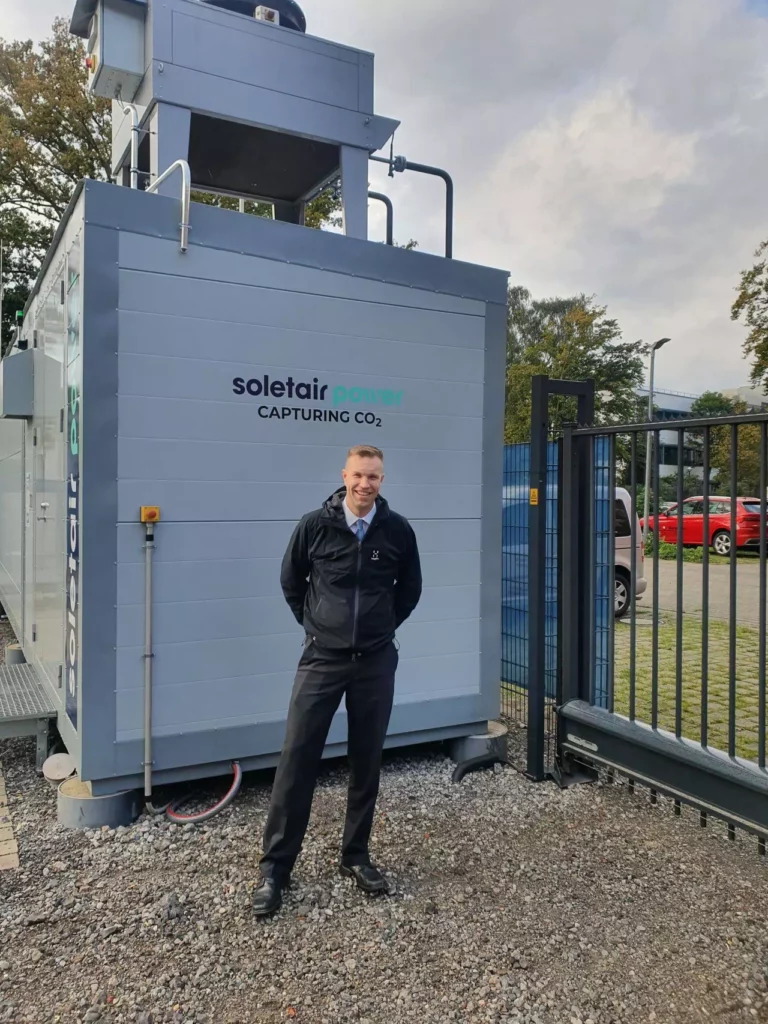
column 747, row 523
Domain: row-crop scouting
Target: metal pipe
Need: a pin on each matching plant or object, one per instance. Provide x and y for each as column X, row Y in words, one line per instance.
column 400, row 164
column 134, row 171
column 186, row 189
column 390, row 214
column 149, row 545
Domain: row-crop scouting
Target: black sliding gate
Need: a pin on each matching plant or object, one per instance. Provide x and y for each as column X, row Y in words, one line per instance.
column 658, row 666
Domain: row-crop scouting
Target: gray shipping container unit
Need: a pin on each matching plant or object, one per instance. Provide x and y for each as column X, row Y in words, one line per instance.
column 222, row 380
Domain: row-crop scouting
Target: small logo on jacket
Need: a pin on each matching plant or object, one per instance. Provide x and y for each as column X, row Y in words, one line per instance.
column 375, row 556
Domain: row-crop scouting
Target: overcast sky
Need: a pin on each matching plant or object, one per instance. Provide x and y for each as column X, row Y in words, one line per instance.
column 613, row 147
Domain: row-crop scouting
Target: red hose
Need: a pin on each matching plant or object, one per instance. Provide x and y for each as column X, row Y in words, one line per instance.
column 229, row 796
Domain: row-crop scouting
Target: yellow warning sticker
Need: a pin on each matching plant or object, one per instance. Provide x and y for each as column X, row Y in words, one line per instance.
column 534, row 499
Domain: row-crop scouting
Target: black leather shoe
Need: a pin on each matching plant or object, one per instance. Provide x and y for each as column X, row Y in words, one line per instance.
column 367, row 877
column 267, row 897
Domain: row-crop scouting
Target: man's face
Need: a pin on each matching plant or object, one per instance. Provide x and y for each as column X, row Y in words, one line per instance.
column 363, row 478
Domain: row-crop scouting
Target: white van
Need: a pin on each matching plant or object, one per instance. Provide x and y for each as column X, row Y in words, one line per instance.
column 623, row 512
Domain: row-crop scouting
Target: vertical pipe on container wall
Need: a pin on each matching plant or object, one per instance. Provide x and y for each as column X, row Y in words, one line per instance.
column 149, row 546
column 134, row 169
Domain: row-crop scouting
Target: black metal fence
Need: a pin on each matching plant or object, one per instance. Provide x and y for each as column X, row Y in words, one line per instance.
column 531, row 574
column 664, row 642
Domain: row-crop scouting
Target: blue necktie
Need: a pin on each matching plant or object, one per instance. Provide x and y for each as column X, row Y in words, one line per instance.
column 360, row 530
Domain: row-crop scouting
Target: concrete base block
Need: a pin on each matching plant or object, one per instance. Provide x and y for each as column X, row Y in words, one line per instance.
column 14, row 655
column 491, row 744
column 479, row 751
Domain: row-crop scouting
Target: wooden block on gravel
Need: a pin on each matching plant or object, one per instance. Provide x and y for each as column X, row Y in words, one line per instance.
column 9, row 851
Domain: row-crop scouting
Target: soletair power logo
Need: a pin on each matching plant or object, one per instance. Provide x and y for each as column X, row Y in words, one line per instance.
column 317, row 402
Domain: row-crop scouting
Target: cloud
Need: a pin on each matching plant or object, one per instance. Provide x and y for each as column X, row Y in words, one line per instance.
column 24, row 20
column 592, row 178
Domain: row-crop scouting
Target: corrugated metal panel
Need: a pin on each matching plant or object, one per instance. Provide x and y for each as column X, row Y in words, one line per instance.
column 148, row 334
column 156, row 256
column 246, row 700
column 224, row 303
column 11, row 519
column 231, row 483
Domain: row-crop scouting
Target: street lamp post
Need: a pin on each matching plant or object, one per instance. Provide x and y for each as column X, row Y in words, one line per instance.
column 649, row 444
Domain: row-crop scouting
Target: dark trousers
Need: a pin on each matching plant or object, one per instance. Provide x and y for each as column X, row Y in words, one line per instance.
column 323, row 678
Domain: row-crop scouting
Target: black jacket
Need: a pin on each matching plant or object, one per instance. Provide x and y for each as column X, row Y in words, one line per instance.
column 351, row 596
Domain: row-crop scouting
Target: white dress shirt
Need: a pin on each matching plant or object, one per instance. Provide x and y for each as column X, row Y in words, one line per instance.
column 352, row 519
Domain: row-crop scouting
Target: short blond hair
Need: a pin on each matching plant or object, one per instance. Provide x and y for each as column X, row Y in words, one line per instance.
column 365, row 451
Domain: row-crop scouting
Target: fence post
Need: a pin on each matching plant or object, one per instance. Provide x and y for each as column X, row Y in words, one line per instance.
column 569, row 553
column 537, row 552
column 585, row 596
column 576, row 543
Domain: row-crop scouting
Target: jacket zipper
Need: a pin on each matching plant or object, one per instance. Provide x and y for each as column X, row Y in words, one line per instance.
column 357, row 582
column 357, row 591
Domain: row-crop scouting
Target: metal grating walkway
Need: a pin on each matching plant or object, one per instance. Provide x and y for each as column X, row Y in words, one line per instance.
column 22, row 696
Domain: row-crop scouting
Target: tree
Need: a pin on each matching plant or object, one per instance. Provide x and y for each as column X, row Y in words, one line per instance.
column 751, row 305
column 747, row 455
column 711, row 403
column 668, row 486
column 574, row 339
column 52, row 135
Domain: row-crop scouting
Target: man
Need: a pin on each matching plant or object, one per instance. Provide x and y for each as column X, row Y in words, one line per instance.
column 351, row 576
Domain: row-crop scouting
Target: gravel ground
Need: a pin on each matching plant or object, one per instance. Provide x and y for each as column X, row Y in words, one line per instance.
column 6, row 636
column 512, row 902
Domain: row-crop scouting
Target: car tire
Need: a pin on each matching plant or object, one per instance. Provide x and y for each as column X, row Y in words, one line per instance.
column 721, row 543
column 622, row 594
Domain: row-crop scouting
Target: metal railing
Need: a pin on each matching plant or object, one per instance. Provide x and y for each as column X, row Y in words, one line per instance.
column 186, row 191
column 380, row 197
